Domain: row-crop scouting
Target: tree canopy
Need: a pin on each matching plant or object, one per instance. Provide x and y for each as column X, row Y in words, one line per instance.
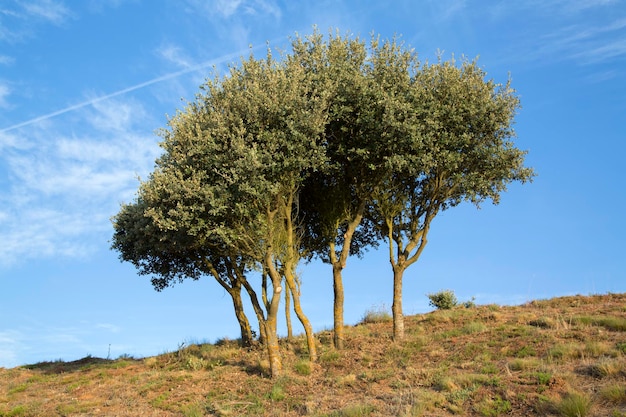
column 325, row 152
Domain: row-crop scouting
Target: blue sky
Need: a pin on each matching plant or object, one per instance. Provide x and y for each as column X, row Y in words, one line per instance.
column 84, row 85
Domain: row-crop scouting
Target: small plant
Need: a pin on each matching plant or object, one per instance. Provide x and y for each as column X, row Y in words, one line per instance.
column 470, row 303
column 494, row 407
column 330, row 356
column 615, row 394
column 376, row 315
column 443, row 300
column 543, row 378
column 359, row 410
column 575, row 405
column 303, row 367
column 525, row 351
column 277, row 393
column 474, row 327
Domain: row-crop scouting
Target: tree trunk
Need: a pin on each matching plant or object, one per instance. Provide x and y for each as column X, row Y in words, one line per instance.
column 258, row 310
column 396, row 308
column 244, row 324
column 339, row 263
column 232, row 285
column 338, row 336
column 308, row 329
column 273, row 349
column 288, row 315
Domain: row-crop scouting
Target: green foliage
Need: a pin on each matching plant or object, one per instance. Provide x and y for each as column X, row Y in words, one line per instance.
column 610, row 323
column 17, row 411
column 525, row 351
column 330, row 356
column 359, row 410
column 303, row 367
column 494, row 407
column 277, row 393
column 330, row 149
column 474, row 327
column 614, row 394
column 470, row 303
column 376, row 315
column 575, row 405
column 543, row 378
column 443, row 300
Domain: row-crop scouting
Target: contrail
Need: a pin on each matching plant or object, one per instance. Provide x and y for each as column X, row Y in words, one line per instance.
column 128, row 89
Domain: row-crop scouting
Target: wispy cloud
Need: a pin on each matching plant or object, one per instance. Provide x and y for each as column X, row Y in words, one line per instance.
column 63, row 185
column 229, row 8
column 586, row 43
column 109, row 327
column 582, row 32
column 63, row 189
column 175, row 55
column 18, row 19
column 6, row 60
column 49, row 10
column 95, row 100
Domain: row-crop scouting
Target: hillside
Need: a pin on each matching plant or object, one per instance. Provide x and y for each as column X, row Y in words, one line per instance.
column 559, row 357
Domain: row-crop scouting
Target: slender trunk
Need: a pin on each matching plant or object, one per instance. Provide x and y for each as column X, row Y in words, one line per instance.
column 308, row 329
column 339, row 263
column 288, row 315
column 338, row 337
column 232, row 285
column 258, row 310
column 244, row 324
column 396, row 308
column 273, row 349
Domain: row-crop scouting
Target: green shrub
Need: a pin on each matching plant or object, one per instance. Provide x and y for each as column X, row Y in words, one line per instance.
column 277, row 393
column 376, row 315
column 575, row 405
column 614, row 393
column 443, row 300
column 303, row 367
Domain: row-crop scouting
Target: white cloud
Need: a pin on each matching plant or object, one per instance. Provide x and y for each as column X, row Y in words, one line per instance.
column 586, row 43
column 226, row 7
column 445, row 9
column 6, row 60
column 108, row 326
column 19, row 19
column 62, row 190
column 175, row 55
column 230, row 8
column 49, row 10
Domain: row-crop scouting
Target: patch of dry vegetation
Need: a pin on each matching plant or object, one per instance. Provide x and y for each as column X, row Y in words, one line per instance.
column 560, row 357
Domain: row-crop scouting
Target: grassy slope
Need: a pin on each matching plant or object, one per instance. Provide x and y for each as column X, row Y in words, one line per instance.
column 561, row 357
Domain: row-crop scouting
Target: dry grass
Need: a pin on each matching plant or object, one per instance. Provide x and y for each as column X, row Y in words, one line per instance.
column 559, row 357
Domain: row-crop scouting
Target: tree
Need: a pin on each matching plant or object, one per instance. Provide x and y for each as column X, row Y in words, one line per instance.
column 361, row 81
column 229, row 180
column 173, row 257
column 459, row 150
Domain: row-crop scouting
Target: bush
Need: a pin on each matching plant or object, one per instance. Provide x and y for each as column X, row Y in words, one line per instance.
column 443, row 300
column 379, row 315
column 575, row 405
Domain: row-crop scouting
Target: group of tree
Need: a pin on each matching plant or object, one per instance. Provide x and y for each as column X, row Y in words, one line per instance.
column 335, row 147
